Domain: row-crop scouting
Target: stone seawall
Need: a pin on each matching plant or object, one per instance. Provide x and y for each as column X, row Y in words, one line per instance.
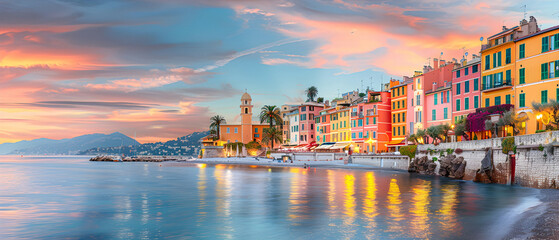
column 536, row 160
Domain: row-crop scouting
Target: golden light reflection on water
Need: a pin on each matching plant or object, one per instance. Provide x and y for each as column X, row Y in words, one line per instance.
column 331, row 191
column 349, row 206
column 370, row 210
column 223, row 201
column 298, row 202
column 420, row 227
column 447, row 212
column 394, row 207
column 202, row 180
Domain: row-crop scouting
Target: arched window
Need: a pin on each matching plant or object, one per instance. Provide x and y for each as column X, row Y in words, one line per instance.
column 246, row 110
column 246, row 102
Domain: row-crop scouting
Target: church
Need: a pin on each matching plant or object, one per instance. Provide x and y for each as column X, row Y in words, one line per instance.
column 245, row 131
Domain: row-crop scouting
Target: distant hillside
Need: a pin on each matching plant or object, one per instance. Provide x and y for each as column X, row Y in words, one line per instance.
column 188, row 145
column 66, row 146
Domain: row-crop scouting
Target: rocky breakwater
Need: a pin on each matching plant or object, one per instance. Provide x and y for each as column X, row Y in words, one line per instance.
column 450, row 166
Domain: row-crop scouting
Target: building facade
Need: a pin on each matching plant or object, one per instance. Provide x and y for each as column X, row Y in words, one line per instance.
column 466, row 86
column 307, row 112
column 399, row 111
column 438, row 97
column 246, row 131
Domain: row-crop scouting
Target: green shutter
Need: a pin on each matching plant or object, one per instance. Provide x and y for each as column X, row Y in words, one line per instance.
column 507, row 60
column 487, row 102
column 487, row 62
column 522, row 100
column 544, row 96
column 484, row 83
column 522, row 78
column 457, row 104
column 507, row 99
column 476, row 101
column 434, row 114
column 522, row 51
column 476, row 84
column 507, row 76
column 557, row 94
column 544, row 71
column 556, row 43
column 466, row 103
column 497, row 100
column 557, row 68
column 494, row 60
column 545, row 44
column 499, row 57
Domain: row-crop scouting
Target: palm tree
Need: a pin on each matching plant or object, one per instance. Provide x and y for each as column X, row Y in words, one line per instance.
column 311, row 93
column 444, row 129
column 270, row 114
column 271, row 135
column 412, row 138
column 215, row 122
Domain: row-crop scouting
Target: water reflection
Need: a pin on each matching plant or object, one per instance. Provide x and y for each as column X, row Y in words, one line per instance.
column 447, row 212
column 420, row 227
column 202, row 181
column 394, row 207
column 298, row 201
column 370, row 210
column 223, row 201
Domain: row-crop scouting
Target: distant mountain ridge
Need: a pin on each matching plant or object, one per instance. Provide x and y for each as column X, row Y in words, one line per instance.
column 66, row 146
column 188, row 145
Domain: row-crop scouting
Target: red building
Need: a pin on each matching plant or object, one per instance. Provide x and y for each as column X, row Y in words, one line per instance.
column 371, row 129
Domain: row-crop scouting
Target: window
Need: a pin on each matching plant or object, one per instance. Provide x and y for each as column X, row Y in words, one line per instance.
column 507, row 56
column 256, row 135
column 487, row 102
column 476, row 84
column 367, row 121
column 522, row 76
column 236, row 130
column 448, row 96
column 303, row 117
column 360, row 134
column 399, row 120
column 476, row 102
column 551, row 69
column 418, row 100
column 494, row 60
column 522, row 51
column 556, row 41
column 374, row 134
column 466, row 70
column 544, row 97
column 303, row 109
column 445, row 113
column 545, row 44
column 360, row 122
column 499, row 57
column 457, row 88
column 522, row 100
column 507, row 76
column 474, row 68
column 403, row 117
column 256, row 130
column 398, row 104
column 457, row 104
column 484, row 83
column 404, row 129
column 393, row 105
column 497, row 100
column 434, row 114
column 435, row 98
column 228, row 130
column 557, row 94
column 458, row 74
column 507, row 99
column 544, row 71
column 393, row 118
column 303, row 127
column 442, row 97
column 466, row 103
column 374, row 120
column 398, row 92
column 467, row 87
column 399, row 131
column 352, row 135
column 487, row 62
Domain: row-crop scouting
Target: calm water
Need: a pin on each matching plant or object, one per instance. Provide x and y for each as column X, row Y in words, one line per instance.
column 69, row 197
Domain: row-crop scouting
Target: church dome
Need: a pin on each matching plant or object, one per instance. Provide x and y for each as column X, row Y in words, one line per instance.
column 246, row 96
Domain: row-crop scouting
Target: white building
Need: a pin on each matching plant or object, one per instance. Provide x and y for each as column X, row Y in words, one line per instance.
column 293, row 127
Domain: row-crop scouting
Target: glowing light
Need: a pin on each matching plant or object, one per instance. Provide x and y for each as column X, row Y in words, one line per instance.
column 201, row 165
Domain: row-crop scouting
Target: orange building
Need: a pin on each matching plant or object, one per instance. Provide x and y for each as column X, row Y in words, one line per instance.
column 245, row 131
column 399, row 109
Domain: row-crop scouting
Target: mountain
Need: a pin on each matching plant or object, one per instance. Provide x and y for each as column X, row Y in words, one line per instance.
column 188, row 145
column 66, row 146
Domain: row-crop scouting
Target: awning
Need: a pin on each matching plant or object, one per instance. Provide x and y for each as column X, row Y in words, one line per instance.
column 396, row 142
column 325, row 146
column 340, row 145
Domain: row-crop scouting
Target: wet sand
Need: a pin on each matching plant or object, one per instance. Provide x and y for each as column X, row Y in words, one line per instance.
column 540, row 221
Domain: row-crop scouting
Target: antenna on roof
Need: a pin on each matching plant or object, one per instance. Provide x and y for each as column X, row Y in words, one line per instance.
column 523, row 7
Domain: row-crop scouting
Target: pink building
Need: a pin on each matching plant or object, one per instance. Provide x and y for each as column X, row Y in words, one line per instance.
column 307, row 129
column 411, row 104
column 438, row 96
column 466, row 88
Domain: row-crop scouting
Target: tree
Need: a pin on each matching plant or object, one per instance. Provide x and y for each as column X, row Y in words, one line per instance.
column 412, row 138
column 550, row 108
column 311, row 93
column 421, row 134
column 362, row 94
column 270, row 114
column 271, row 135
column 492, row 127
column 320, row 100
column 435, row 133
column 215, row 122
column 444, row 129
column 510, row 119
column 460, row 129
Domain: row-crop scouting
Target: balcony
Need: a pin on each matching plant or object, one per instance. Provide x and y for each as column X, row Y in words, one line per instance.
column 357, row 115
column 372, row 112
column 496, row 85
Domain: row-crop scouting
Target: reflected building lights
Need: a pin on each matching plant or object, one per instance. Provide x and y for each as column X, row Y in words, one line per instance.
column 447, row 212
column 201, row 214
column 370, row 210
column 420, row 227
column 394, row 207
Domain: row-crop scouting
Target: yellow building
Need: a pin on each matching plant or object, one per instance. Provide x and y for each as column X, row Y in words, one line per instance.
column 537, row 74
column 398, row 106
column 340, row 125
column 498, row 68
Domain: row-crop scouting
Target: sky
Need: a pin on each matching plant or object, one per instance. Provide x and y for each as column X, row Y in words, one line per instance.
column 159, row 69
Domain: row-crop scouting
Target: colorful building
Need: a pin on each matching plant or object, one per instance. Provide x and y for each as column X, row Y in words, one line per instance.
column 293, row 118
column 399, row 112
column 537, row 71
column 412, row 102
column 498, row 66
column 307, row 112
column 370, row 123
column 466, row 86
column 285, row 110
column 245, row 131
column 438, row 97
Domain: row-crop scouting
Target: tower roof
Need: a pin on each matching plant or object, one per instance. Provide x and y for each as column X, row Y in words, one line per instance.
column 246, row 96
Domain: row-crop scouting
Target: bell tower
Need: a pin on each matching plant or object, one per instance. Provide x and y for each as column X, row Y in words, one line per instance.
column 246, row 118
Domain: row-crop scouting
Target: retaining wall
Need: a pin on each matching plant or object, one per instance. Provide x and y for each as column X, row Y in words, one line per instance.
column 383, row 161
column 533, row 167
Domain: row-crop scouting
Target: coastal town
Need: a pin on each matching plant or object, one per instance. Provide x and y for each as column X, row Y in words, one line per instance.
column 504, row 90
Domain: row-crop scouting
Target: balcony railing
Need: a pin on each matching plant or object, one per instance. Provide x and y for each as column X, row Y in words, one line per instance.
column 371, row 112
column 497, row 84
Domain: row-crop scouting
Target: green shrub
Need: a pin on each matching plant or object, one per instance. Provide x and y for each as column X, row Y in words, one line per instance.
column 539, row 131
column 508, row 145
column 253, row 145
column 449, row 151
column 435, row 159
column 540, row 147
column 409, row 151
column 475, row 137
